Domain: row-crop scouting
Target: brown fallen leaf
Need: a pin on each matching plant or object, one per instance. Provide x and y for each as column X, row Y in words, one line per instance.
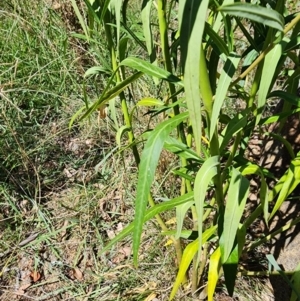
column 77, row 274
column 35, row 275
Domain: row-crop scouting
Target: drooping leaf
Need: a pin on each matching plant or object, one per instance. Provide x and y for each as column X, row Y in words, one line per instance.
column 122, row 130
column 255, row 13
column 149, row 161
column 175, row 146
column 181, row 211
column 291, row 98
column 150, row 69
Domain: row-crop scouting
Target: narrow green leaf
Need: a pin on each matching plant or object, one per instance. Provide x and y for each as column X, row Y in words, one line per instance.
column 222, row 89
column 255, row 13
column 291, row 98
column 252, row 169
column 146, row 18
column 115, row 91
column 187, row 256
column 149, row 161
column 204, row 176
column 237, row 124
column 213, row 273
column 80, row 19
column 116, row 5
column 181, row 211
column 236, row 200
column 287, row 184
column 278, row 117
column 150, row 102
column 230, row 269
column 269, row 68
column 292, row 44
column 192, row 22
column 122, row 130
column 217, row 40
column 150, row 69
column 103, row 8
column 96, row 70
column 150, row 213
column 180, row 149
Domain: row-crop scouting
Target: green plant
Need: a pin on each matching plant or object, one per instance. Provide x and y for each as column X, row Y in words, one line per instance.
column 212, row 67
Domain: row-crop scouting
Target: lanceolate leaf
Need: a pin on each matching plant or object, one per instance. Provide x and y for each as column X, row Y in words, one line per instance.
column 236, row 200
column 255, row 13
column 192, row 22
column 268, row 71
column 149, row 102
column 149, row 161
column 150, row 69
column 222, row 89
column 150, row 213
column 204, row 176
